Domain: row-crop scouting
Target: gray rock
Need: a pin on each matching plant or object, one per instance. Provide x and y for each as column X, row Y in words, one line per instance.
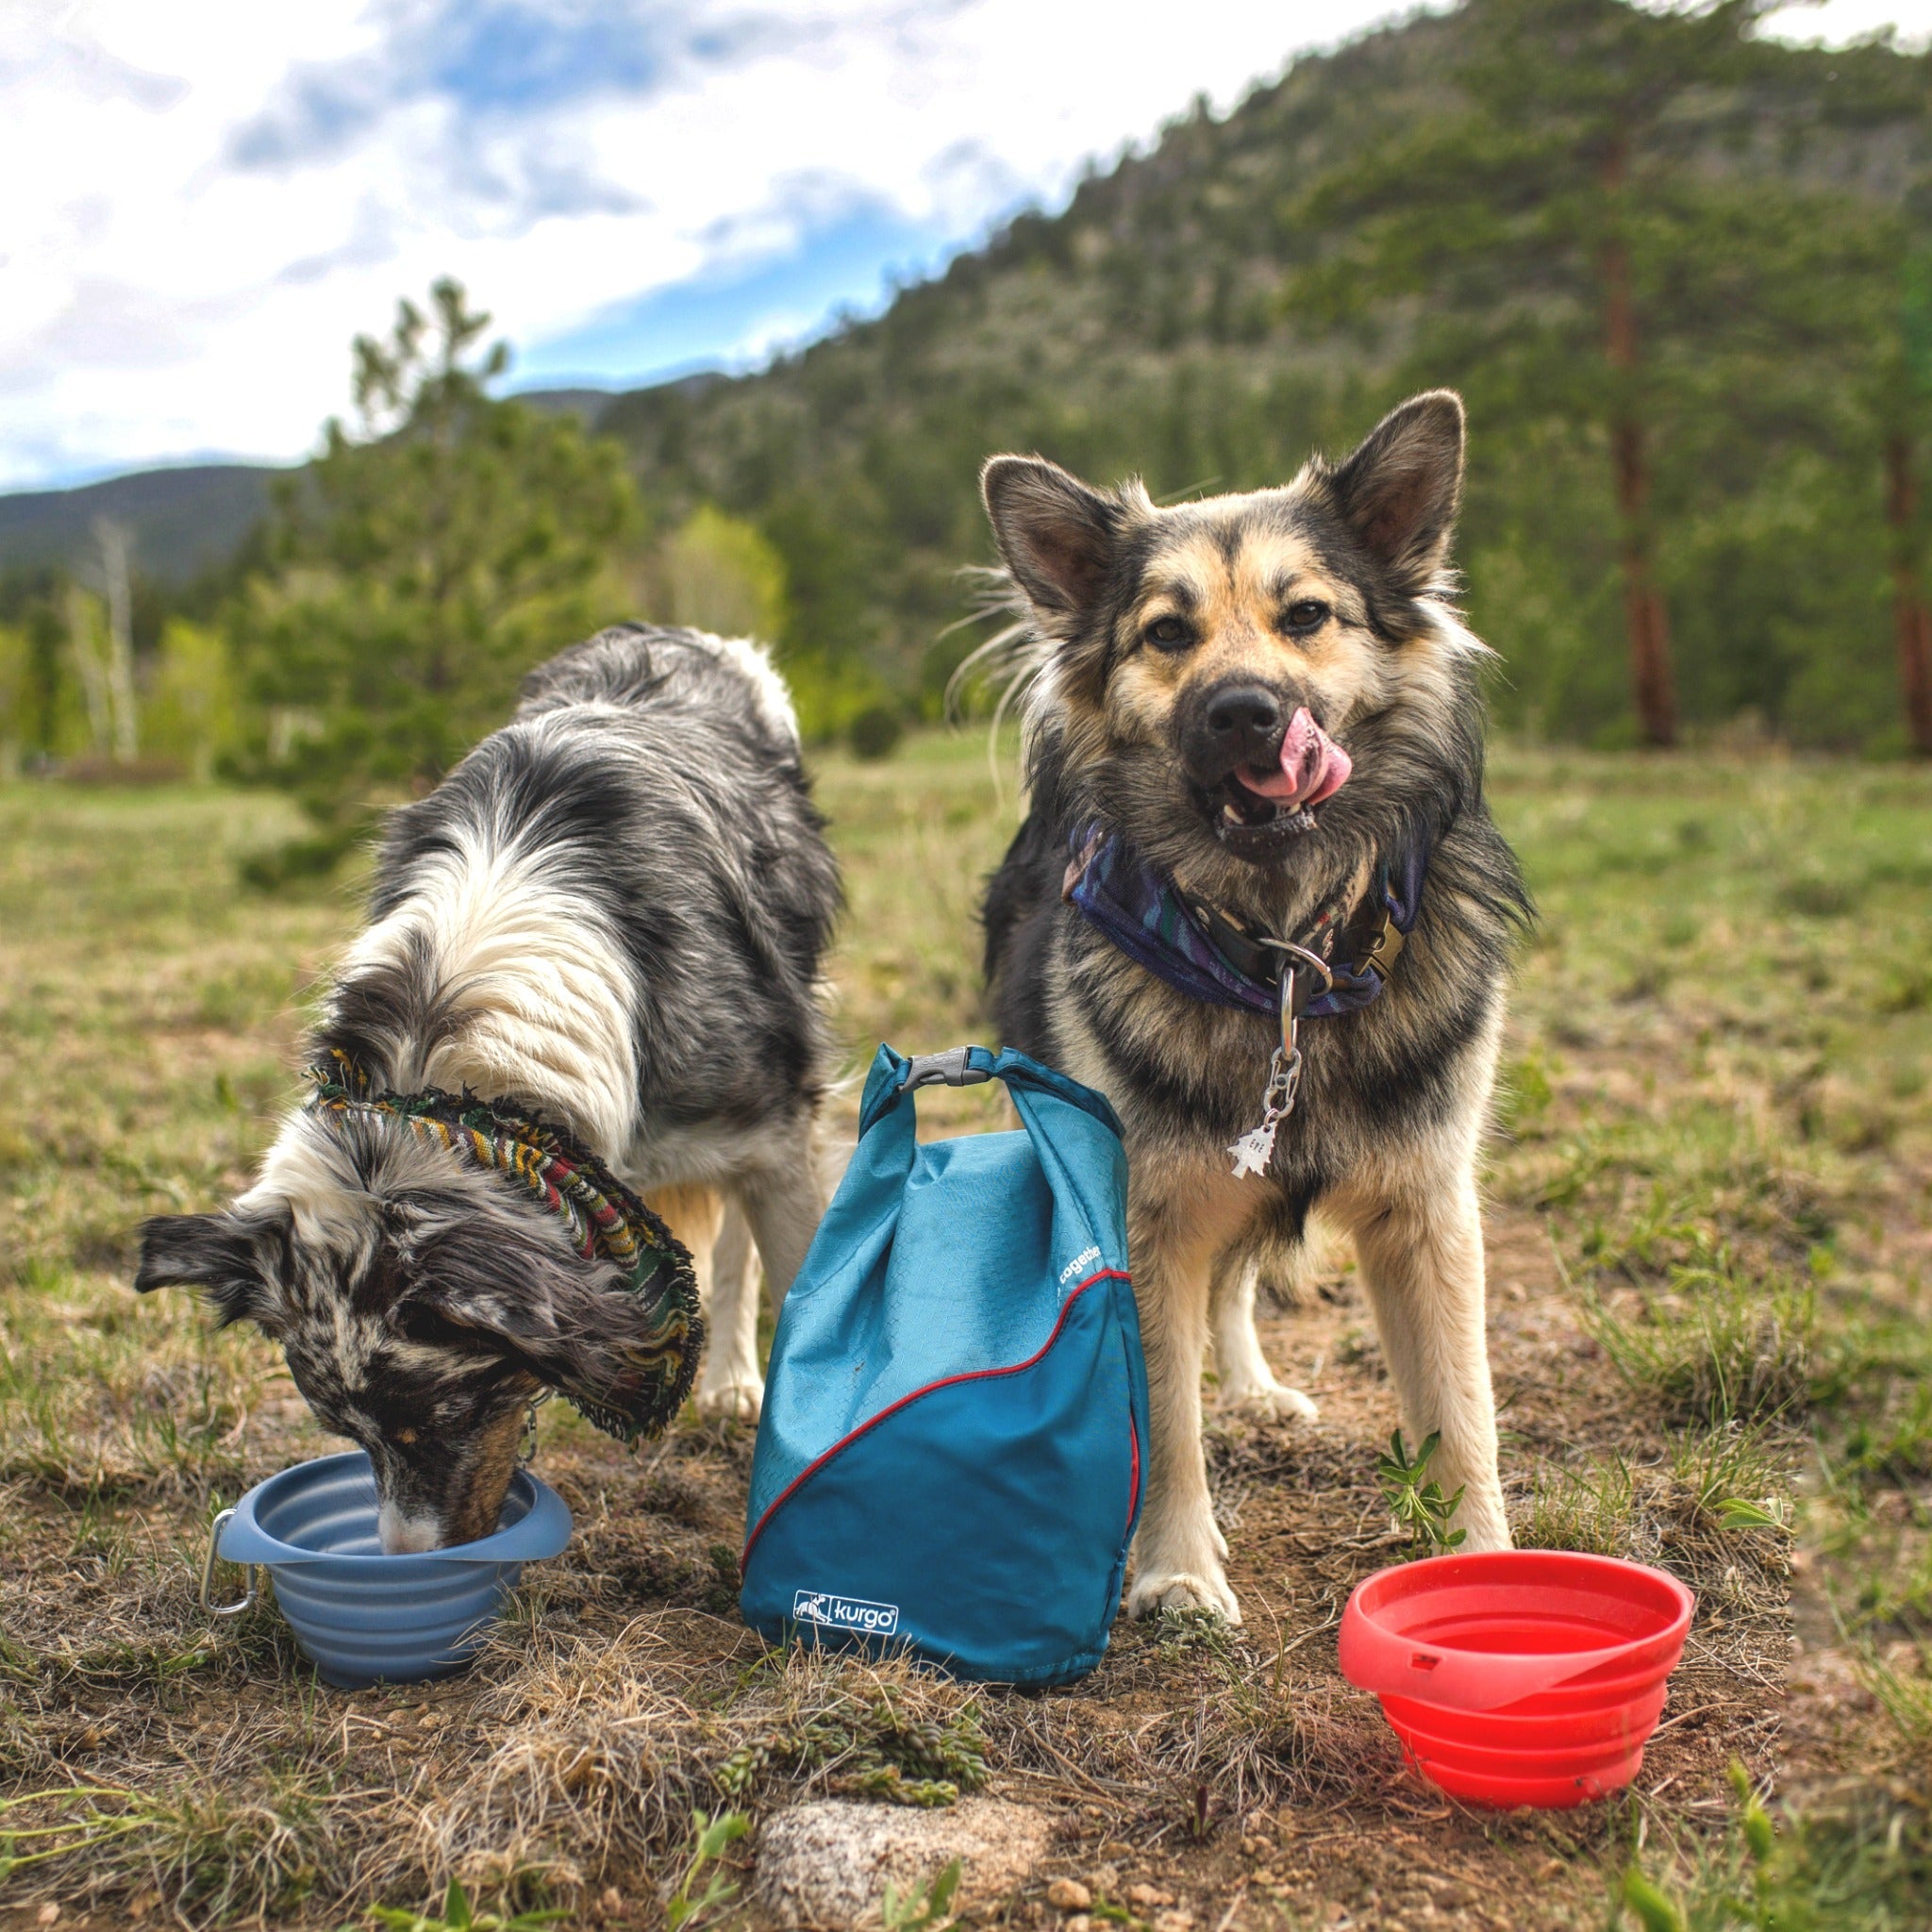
column 822, row 1867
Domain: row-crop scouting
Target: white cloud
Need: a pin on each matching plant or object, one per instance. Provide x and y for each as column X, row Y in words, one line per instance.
column 206, row 198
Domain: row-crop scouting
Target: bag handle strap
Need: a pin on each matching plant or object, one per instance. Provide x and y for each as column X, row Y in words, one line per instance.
column 968, row 1066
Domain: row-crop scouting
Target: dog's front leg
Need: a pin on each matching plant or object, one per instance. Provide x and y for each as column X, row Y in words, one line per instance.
column 1421, row 1251
column 1178, row 1550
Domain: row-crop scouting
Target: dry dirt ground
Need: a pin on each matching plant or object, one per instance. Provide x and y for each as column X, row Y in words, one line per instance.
column 1709, row 1263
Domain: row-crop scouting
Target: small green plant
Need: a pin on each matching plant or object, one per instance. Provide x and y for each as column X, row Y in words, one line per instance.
column 1730, row 1479
column 1419, row 1508
column 459, row 1915
column 1740, row 1512
column 926, row 1907
column 1906, row 1700
column 1652, row 1909
column 708, row 1838
column 1753, row 1891
column 1192, row 1633
column 1865, row 1864
column 47, row 1841
column 1201, row 1815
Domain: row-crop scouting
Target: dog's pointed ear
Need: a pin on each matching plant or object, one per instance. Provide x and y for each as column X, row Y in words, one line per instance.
column 1057, row 536
column 1400, row 491
column 624, row 1357
column 230, row 1259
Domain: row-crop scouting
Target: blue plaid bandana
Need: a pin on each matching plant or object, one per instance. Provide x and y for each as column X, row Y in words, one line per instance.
column 1148, row 918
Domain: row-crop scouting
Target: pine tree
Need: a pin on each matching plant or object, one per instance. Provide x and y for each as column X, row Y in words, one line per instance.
column 419, row 566
column 1569, row 223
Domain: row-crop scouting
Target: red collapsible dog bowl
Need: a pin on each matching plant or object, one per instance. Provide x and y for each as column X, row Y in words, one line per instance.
column 1519, row 1677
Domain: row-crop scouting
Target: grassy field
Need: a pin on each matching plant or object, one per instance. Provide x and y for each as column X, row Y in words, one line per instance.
column 1712, row 1282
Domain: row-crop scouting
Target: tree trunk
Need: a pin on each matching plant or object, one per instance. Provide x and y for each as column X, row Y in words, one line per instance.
column 89, row 664
column 1646, row 621
column 113, row 541
column 1911, row 619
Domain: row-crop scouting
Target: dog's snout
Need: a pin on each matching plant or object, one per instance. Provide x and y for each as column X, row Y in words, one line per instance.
column 406, row 1533
column 1236, row 726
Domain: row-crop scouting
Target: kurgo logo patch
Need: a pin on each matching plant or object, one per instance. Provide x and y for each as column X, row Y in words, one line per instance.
column 844, row 1613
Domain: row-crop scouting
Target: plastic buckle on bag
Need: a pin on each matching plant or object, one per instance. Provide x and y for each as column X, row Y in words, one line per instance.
column 952, row 1067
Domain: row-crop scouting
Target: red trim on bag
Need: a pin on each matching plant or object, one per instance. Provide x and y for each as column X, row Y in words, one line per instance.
column 813, row 1467
column 1134, row 1478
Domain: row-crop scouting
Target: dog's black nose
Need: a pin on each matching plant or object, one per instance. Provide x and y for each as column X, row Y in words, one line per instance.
column 1240, row 725
column 1246, row 713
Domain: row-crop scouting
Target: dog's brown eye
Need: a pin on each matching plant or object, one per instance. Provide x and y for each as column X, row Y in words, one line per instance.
column 1169, row 634
column 1306, row 614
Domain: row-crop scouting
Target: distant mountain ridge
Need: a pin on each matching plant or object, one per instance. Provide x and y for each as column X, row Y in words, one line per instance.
column 182, row 518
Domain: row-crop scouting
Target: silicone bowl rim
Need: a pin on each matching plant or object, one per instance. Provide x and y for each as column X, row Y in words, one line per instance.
column 543, row 1529
column 1385, row 1660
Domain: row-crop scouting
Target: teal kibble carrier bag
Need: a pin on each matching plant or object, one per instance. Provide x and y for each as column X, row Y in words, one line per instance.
column 955, row 1413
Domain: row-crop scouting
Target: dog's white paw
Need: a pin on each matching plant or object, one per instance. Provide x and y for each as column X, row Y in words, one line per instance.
column 1270, row 1400
column 738, row 1397
column 1180, row 1590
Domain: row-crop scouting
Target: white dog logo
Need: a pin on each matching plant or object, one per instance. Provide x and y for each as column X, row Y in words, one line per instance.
column 844, row 1613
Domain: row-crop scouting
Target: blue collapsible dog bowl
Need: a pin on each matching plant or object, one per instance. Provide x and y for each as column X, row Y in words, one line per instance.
column 363, row 1617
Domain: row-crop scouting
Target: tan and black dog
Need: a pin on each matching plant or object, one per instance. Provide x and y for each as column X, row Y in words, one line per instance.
column 1255, row 768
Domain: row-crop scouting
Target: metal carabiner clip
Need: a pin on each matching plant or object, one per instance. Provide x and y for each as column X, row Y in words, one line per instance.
column 207, row 1573
column 527, row 1452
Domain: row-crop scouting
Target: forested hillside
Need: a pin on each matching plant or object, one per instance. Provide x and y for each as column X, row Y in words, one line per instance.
column 1207, row 313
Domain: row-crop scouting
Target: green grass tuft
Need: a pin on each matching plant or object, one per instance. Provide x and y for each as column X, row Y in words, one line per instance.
column 1592, row 1509
column 1720, row 1343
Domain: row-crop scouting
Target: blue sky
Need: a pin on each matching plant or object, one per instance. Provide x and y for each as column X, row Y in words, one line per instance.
column 206, row 198
column 737, row 312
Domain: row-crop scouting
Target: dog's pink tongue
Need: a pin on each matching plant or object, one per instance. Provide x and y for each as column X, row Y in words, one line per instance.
column 1313, row 766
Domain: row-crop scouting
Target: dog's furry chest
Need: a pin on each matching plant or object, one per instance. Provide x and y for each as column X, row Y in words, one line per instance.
column 1188, row 1079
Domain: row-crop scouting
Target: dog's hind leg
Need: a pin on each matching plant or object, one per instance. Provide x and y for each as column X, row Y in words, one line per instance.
column 784, row 1202
column 1246, row 1381
column 693, row 1213
column 729, row 1383
column 1178, row 1550
column 1421, row 1249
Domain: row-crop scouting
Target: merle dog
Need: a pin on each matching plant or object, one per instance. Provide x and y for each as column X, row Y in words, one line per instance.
column 604, row 930
column 1254, row 743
